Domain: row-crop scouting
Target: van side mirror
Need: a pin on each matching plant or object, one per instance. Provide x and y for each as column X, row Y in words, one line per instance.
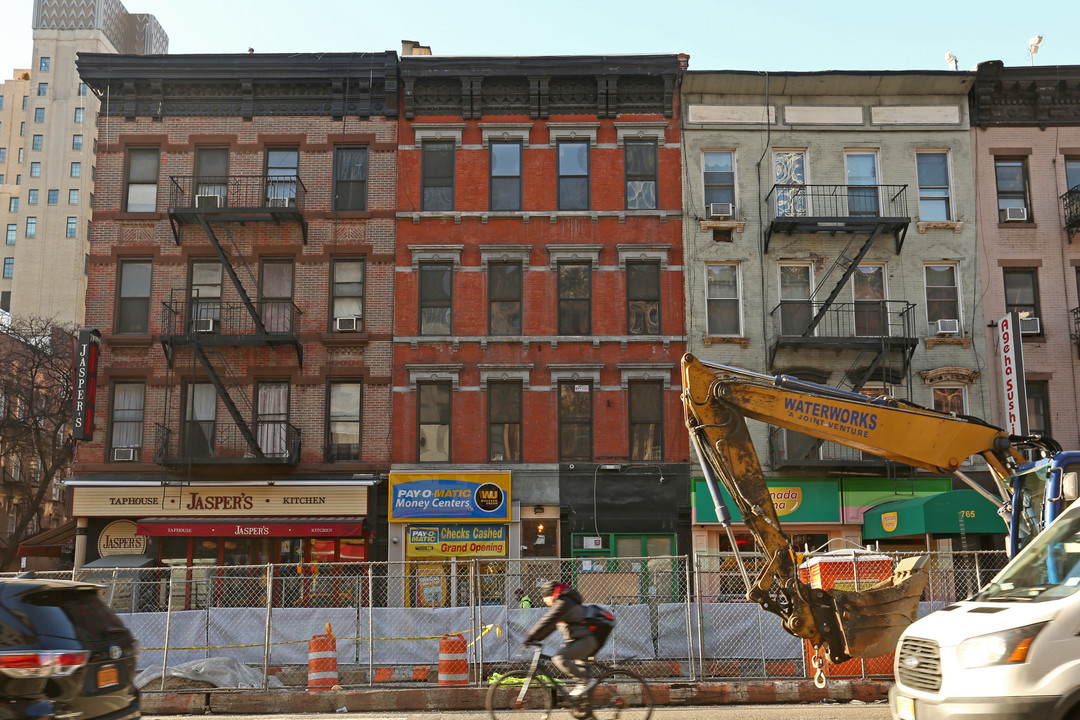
column 1070, row 486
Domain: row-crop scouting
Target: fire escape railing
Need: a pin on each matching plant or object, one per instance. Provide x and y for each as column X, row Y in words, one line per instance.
column 236, row 192
column 214, row 442
column 1070, row 208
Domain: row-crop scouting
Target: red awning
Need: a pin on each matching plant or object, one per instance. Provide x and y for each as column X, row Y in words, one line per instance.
column 252, row 527
column 49, row 543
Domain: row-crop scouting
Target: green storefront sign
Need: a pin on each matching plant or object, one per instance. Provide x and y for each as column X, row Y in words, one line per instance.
column 808, row 500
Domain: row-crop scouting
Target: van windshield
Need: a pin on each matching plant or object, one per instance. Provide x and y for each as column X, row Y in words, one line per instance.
column 1047, row 569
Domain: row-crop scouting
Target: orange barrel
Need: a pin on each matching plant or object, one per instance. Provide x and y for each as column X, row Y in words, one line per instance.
column 322, row 662
column 453, row 660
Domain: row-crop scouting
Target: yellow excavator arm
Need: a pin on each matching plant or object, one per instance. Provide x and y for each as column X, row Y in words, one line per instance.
column 717, row 399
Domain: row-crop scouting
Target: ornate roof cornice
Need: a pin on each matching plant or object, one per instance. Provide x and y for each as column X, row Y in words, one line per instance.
column 1038, row 96
column 328, row 84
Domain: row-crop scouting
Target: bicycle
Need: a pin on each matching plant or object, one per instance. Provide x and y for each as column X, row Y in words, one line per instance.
column 532, row 693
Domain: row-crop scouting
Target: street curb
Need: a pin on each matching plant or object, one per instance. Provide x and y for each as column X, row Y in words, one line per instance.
column 251, row 702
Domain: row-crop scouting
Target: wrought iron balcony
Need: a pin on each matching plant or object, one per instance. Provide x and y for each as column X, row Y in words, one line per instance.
column 276, row 442
column 791, row 449
column 236, row 198
column 837, row 208
column 216, row 322
column 1070, row 206
column 865, row 323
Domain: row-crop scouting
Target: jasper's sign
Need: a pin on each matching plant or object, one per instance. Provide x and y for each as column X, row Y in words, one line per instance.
column 270, row 500
column 119, row 538
column 87, row 346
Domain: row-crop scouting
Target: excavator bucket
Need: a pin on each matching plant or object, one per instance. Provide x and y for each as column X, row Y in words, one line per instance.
column 871, row 621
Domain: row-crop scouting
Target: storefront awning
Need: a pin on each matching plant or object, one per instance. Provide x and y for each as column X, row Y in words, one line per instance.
column 252, row 527
column 955, row 512
column 49, row 543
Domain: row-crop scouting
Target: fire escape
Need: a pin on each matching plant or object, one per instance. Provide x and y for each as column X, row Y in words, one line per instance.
column 206, row 329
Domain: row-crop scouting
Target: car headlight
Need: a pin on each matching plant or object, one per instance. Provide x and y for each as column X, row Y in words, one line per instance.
column 1000, row 648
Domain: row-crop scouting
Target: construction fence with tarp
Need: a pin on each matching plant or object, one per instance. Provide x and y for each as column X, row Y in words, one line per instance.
column 677, row 618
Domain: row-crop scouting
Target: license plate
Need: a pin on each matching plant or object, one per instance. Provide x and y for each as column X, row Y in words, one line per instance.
column 108, row 676
column 905, row 708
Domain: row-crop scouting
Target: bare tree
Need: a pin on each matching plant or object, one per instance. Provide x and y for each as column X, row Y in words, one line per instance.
column 35, row 421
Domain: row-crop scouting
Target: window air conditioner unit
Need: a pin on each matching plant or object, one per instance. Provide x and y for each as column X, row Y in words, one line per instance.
column 279, row 202
column 948, row 327
column 346, row 324
column 123, row 454
column 721, row 210
column 204, row 325
column 1015, row 214
column 1030, row 326
column 209, row 202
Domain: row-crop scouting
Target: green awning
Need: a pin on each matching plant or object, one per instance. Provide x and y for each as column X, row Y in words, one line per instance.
column 954, row 512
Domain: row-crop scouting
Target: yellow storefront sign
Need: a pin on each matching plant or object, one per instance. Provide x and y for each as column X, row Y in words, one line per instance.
column 456, row 541
column 888, row 521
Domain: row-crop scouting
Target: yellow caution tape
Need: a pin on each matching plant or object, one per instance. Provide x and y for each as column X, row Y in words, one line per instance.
column 485, row 631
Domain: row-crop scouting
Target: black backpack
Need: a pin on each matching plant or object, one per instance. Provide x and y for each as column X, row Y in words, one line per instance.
column 600, row 621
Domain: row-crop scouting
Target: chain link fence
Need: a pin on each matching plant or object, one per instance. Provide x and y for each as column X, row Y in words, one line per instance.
column 677, row 618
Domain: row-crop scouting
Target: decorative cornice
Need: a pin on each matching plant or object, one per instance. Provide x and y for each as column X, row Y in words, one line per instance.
column 950, row 375
column 1038, row 96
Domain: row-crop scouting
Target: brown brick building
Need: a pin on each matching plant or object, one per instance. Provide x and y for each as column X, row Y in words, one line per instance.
column 241, row 276
column 539, row 305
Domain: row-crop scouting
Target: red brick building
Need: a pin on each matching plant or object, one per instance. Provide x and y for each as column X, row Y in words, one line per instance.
column 539, row 303
column 240, row 273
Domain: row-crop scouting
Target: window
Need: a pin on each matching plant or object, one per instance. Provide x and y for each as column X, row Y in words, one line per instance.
column 1038, row 403
column 437, row 175
column 82, row 89
column 12, row 230
column 643, row 298
column 575, row 420
column 205, row 295
column 276, row 293
column 31, row 227
column 504, row 421
column 436, row 298
column 13, row 204
column 73, row 197
column 31, row 197
column 504, row 298
column 43, row 64
column 934, row 202
column 5, row 301
column 72, row 225
column 723, row 307
column 646, row 420
column 575, row 298
column 3, row 154
column 348, row 291
column 133, row 305
column 719, row 177
column 36, row 142
column 871, row 310
column 212, row 173
column 1, row 102
column 76, row 142
column 949, row 399
column 21, row 154
column 1012, row 188
column 39, row 115
column 640, row 166
column 54, row 197
column 282, row 166
column 42, row 89
column 200, row 417
column 18, row 179
column 573, row 174
column 1022, row 292
column 272, row 419
column 343, row 423
column 35, row 169
column 942, row 294
column 350, row 178
column 25, row 100
column 796, row 285
column 79, row 114
column 1072, row 172
column 433, row 419
column 22, row 129
column 9, row 267
column 505, row 185
column 76, row 171
column 142, row 179
column 126, row 431
column 789, row 173
column 862, row 184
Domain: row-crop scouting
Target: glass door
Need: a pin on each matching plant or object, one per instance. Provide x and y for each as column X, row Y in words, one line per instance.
column 871, row 319
column 862, row 180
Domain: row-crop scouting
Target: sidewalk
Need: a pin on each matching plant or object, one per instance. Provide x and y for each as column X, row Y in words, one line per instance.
column 252, row 702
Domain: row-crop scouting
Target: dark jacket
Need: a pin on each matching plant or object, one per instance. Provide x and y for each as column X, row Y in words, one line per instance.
column 567, row 612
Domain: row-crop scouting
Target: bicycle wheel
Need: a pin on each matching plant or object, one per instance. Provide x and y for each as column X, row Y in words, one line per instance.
column 504, row 698
column 621, row 693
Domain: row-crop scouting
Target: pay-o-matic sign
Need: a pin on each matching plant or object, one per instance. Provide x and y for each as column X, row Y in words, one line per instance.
column 475, row 496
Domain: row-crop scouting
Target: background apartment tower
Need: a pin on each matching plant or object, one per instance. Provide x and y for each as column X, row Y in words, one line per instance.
column 50, row 139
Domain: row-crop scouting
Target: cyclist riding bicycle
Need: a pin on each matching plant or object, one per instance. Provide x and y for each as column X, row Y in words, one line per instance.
column 568, row 614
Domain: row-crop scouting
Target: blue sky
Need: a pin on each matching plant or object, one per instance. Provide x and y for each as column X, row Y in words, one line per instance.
column 717, row 34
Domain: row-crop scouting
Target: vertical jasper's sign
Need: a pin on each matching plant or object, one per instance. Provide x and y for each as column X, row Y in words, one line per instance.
column 87, row 348
column 1014, row 391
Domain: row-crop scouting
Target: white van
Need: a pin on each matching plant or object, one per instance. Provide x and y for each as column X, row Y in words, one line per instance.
column 1010, row 651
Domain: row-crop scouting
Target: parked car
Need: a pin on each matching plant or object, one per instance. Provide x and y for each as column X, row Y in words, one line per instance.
column 63, row 653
